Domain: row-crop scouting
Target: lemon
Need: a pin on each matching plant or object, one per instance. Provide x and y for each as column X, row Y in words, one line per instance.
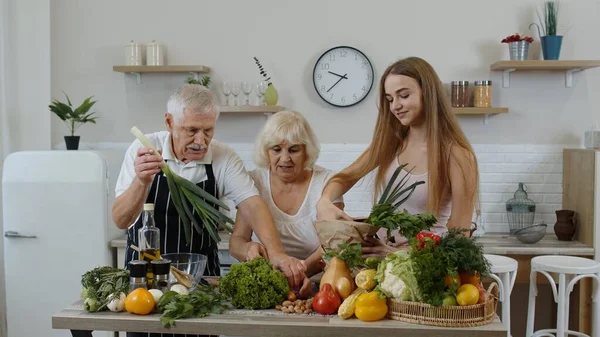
column 467, row 294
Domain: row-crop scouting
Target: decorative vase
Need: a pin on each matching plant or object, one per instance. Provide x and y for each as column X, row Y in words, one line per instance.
column 72, row 142
column 551, row 45
column 565, row 225
column 518, row 50
column 271, row 95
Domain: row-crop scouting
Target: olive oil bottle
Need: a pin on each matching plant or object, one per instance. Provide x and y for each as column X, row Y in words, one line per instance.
column 149, row 240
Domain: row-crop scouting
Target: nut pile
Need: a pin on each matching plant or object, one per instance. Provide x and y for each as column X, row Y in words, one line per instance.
column 296, row 307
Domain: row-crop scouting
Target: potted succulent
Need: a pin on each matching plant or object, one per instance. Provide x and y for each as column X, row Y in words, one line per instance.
column 518, row 46
column 73, row 118
column 551, row 42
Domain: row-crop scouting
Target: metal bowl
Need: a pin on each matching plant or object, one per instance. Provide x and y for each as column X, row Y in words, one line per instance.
column 191, row 263
column 531, row 234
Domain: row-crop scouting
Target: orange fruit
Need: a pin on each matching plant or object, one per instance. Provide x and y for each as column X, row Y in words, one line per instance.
column 449, row 280
column 467, row 294
column 470, row 278
column 140, row 302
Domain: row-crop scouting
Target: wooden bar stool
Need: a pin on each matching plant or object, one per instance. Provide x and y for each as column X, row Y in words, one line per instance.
column 504, row 271
column 570, row 270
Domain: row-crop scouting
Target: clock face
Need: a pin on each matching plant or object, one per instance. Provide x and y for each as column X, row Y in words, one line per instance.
column 343, row 76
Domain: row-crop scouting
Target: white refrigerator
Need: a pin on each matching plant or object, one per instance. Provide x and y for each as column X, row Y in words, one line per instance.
column 55, row 229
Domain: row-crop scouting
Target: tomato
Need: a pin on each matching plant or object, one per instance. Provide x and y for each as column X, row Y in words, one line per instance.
column 140, row 302
column 469, row 278
column 450, row 281
column 326, row 301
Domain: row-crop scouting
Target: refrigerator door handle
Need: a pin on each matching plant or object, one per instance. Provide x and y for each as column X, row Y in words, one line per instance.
column 13, row 234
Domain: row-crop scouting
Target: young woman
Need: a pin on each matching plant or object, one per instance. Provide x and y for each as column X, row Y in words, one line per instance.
column 416, row 126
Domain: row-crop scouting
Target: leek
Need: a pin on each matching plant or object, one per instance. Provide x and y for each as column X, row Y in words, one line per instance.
column 191, row 202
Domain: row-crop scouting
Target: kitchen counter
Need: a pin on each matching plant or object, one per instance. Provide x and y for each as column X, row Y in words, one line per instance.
column 493, row 243
column 258, row 323
column 121, row 242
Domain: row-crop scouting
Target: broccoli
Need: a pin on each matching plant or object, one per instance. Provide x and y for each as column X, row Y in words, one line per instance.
column 254, row 285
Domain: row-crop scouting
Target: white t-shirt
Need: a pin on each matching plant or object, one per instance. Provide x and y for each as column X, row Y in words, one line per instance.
column 297, row 232
column 233, row 181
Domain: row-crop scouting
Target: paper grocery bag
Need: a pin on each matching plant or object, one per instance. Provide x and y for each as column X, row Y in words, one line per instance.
column 331, row 233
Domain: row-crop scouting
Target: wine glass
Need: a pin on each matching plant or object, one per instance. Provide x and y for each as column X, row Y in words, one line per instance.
column 235, row 90
column 261, row 88
column 247, row 88
column 226, row 88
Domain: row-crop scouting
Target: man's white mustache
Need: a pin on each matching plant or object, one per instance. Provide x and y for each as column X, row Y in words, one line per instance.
column 196, row 147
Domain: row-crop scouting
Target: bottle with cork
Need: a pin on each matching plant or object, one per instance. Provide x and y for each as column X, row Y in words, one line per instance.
column 149, row 240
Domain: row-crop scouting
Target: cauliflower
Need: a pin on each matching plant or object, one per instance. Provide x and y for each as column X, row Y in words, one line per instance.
column 392, row 286
column 396, row 279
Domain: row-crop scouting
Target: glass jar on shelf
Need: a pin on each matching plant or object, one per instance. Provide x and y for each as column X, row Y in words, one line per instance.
column 459, row 96
column 482, row 94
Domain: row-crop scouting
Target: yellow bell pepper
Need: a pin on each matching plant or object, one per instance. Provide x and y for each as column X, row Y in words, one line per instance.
column 369, row 307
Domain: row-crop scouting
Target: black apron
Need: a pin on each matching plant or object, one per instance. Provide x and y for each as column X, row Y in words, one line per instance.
column 172, row 235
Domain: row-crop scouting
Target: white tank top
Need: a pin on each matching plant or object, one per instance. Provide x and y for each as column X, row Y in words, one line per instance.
column 417, row 203
column 297, row 232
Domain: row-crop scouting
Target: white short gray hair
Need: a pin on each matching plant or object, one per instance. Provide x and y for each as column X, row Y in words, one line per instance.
column 290, row 127
column 192, row 97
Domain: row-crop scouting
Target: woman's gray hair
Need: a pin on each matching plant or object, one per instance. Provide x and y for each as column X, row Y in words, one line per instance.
column 282, row 127
column 194, row 98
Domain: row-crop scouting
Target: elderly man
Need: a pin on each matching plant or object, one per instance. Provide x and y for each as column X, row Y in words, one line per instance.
column 190, row 151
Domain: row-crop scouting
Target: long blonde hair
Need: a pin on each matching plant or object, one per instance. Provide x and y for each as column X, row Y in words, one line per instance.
column 389, row 137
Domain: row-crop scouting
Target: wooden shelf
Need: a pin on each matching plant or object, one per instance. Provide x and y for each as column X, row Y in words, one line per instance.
column 568, row 66
column 174, row 69
column 251, row 108
column 267, row 110
column 479, row 111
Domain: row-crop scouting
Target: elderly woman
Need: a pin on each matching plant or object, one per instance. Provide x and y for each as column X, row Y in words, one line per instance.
column 291, row 184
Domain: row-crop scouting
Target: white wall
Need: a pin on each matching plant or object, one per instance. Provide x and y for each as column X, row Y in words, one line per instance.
column 459, row 38
column 25, row 74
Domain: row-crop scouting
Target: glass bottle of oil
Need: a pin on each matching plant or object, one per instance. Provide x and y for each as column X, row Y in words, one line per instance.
column 149, row 240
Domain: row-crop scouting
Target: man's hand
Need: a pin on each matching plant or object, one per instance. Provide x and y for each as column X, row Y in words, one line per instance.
column 293, row 269
column 147, row 164
column 255, row 250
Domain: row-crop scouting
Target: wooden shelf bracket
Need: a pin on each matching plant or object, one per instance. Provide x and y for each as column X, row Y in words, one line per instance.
column 506, row 78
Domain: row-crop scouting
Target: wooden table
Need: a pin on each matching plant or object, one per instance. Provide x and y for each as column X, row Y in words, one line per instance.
column 265, row 324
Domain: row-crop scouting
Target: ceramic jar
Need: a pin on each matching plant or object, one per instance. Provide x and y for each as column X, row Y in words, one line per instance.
column 565, row 225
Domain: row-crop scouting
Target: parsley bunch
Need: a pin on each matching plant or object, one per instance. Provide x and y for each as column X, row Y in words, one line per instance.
column 453, row 254
column 201, row 302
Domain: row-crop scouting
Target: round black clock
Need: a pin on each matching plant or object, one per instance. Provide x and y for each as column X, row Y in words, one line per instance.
column 343, row 76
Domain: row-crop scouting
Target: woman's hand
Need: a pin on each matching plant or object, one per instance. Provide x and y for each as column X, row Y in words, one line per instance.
column 326, row 210
column 306, row 290
column 293, row 268
column 255, row 250
column 379, row 248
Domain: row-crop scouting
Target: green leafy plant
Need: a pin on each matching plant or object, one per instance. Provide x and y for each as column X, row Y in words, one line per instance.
column 201, row 302
column 351, row 254
column 74, row 118
column 204, row 81
column 550, row 22
column 384, row 213
column 262, row 71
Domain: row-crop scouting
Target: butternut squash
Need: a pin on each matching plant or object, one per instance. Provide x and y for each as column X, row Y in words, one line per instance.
column 339, row 276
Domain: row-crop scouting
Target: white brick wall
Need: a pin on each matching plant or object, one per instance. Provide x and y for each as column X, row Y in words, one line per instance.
column 501, row 168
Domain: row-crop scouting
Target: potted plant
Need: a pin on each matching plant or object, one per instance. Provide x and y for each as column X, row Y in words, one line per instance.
column 73, row 118
column 551, row 42
column 204, row 81
column 518, row 46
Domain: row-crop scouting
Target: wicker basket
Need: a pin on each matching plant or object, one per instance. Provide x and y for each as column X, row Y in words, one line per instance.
column 446, row 316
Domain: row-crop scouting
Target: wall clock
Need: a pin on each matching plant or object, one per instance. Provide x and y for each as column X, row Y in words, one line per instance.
column 343, row 76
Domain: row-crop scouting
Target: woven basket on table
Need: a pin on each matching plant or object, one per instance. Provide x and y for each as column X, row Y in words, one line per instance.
column 446, row 316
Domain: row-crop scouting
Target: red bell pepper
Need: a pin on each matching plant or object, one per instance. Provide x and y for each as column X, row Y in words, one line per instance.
column 427, row 238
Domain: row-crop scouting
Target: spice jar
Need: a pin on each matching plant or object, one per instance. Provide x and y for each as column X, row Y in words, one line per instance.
column 137, row 274
column 459, row 96
column 161, row 269
column 482, row 95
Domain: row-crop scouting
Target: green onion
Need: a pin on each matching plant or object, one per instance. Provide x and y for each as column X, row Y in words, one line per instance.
column 191, row 202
